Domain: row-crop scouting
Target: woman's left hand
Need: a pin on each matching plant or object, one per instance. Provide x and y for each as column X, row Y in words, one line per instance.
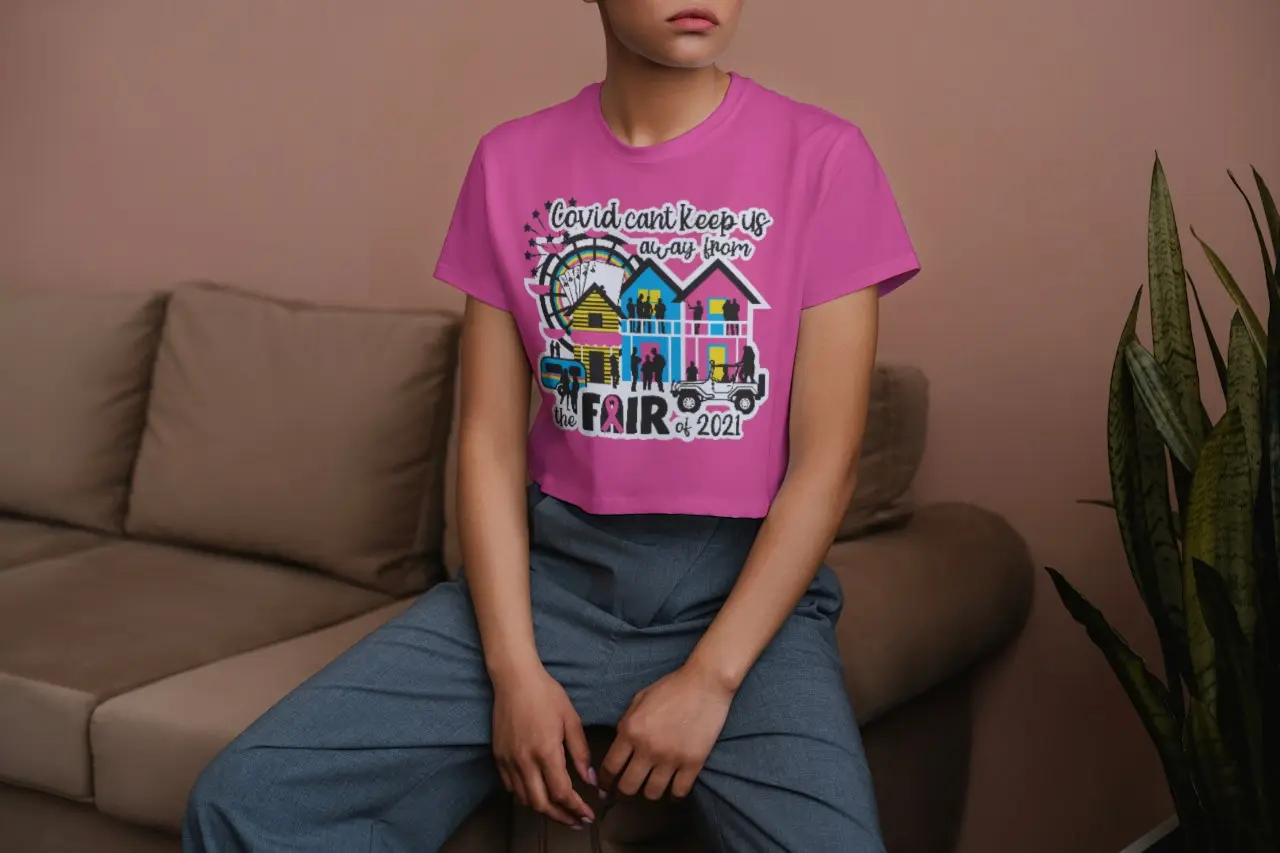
column 666, row 735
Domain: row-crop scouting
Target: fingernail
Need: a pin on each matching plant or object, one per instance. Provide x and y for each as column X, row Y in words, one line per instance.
column 604, row 795
column 591, row 776
column 586, row 821
column 577, row 827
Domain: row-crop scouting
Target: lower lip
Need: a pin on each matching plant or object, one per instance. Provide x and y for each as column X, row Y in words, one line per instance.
column 693, row 25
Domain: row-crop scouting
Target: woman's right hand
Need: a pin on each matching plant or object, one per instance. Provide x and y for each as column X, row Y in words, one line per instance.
column 533, row 724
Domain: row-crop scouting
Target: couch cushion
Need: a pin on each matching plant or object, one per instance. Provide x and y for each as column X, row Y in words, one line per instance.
column 150, row 744
column 38, row 823
column 77, row 629
column 74, row 373
column 23, row 542
column 304, row 433
column 927, row 600
column 892, row 447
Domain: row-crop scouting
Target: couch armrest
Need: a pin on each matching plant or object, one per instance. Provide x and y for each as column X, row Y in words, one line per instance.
column 925, row 601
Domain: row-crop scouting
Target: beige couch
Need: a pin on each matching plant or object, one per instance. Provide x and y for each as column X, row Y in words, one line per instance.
column 206, row 495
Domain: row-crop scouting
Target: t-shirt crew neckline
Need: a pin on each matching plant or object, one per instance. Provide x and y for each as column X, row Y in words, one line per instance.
column 678, row 145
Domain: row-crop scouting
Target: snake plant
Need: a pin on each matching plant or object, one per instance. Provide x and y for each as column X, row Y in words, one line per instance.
column 1197, row 502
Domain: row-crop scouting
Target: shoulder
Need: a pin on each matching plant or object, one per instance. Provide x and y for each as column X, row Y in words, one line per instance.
column 818, row 136
column 517, row 138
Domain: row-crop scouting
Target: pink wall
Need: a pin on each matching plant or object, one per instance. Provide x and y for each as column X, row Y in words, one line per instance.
column 313, row 148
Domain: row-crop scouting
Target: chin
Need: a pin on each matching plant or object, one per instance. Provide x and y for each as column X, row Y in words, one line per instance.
column 682, row 56
column 682, row 63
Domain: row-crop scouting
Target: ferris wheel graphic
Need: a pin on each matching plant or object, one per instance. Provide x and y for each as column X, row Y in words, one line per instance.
column 580, row 262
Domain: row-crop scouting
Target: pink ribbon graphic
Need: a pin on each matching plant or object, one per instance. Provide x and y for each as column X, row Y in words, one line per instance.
column 612, row 405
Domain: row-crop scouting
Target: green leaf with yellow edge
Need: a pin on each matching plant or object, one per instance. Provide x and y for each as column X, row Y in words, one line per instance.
column 1239, row 712
column 1257, row 335
column 1267, row 564
column 1220, row 526
column 1245, row 381
column 1171, row 341
column 1219, row 363
column 1268, row 269
column 1140, row 494
column 1150, row 698
column 1218, row 532
column 1272, row 216
column 1160, row 398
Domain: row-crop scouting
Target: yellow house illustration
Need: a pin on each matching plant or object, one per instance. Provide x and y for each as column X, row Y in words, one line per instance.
column 595, row 334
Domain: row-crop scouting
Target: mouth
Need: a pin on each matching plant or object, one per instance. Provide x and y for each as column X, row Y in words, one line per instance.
column 694, row 20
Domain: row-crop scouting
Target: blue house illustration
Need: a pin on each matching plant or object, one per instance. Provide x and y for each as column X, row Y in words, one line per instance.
column 653, row 321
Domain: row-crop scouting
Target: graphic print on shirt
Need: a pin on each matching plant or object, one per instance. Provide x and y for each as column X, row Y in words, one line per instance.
column 646, row 319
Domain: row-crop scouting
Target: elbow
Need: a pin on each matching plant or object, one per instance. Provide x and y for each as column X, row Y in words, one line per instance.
column 848, row 484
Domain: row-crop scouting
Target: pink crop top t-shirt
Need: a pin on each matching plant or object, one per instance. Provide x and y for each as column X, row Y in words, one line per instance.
column 658, row 289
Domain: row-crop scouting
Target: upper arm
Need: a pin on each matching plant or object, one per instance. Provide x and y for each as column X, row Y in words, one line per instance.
column 495, row 372
column 831, row 388
column 495, row 377
column 857, row 250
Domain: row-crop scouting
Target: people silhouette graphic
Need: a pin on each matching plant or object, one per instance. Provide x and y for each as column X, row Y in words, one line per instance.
column 732, row 314
column 659, row 368
column 562, row 389
column 574, row 387
column 747, row 367
column 635, row 367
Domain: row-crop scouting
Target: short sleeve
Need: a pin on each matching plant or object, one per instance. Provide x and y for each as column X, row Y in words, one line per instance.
column 856, row 237
column 468, row 260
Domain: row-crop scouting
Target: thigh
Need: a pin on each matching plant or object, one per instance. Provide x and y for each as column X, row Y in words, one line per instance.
column 387, row 747
column 789, row 773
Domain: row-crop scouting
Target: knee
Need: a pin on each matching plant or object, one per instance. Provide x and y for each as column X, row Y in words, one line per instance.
column 224, row 803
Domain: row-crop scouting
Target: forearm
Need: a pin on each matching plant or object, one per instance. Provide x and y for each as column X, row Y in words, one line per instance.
column 492, row 471
column 495, row 544
column 827, row 420
column 788, row 551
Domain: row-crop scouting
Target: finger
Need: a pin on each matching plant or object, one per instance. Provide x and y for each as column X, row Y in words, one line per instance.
column 505, row 775
column 659, row 781
column 615, row 761
column 539, row 800
column 517, row 786
column 555, row 775
column 575, row 740
column 633, row 778
column 682, row 783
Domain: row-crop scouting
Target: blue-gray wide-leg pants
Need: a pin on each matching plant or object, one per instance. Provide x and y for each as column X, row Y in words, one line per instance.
column 388, row 747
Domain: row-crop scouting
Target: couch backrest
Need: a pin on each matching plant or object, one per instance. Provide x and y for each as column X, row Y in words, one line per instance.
column 307, row 433
column 892, row 448
column 74, row 375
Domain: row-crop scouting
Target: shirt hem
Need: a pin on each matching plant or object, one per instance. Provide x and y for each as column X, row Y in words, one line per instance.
column 718, row 506
column 888, row 276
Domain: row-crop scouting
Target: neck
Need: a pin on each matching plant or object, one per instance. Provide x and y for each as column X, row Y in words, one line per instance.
column 647, row 104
